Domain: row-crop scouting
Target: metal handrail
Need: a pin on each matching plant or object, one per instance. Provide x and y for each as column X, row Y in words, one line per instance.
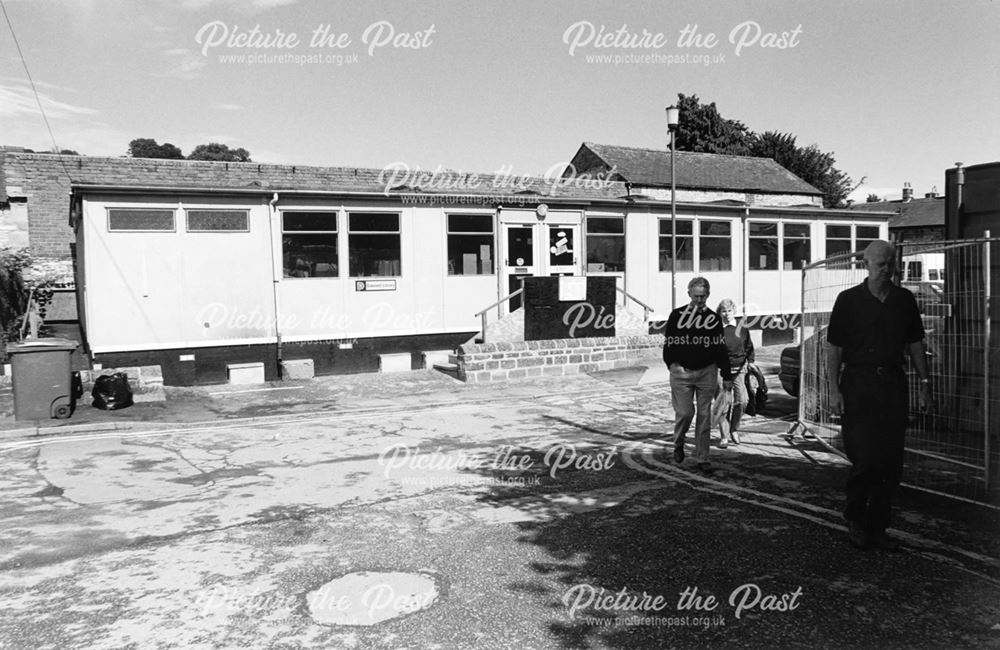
column 646, row 308
column 482, row 314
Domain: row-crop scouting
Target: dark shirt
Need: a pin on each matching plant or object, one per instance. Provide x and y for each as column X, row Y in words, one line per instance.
column 739, row 347
column 874, row 333
column 696, row 340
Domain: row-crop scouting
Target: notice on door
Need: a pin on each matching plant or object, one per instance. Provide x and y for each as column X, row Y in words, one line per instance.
column 572, row 288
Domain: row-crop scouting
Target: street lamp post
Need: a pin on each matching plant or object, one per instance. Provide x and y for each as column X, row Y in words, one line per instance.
column 673, row 117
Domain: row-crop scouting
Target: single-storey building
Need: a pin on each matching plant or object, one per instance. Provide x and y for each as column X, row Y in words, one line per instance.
column 197, row 265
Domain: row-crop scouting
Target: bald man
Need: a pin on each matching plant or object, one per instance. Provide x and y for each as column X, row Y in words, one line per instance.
column 871, row 326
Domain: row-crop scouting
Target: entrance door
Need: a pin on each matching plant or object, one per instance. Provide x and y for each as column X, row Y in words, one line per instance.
column 537, row 249
column 561, row 249
column 520, row 258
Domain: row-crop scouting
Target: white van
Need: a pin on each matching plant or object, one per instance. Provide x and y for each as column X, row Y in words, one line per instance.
column 924, row 267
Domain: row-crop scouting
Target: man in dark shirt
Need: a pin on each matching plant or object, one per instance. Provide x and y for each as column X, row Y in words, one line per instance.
column 870, row 327
column 694, row 348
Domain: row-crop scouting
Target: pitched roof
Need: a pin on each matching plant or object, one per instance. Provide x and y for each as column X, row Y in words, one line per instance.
column 915, row 213
column 151, row 173
column 651, row 167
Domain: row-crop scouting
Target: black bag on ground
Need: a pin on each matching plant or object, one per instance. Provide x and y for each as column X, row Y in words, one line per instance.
column 112, row 392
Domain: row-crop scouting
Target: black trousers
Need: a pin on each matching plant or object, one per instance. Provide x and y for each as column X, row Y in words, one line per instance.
column 873, row 426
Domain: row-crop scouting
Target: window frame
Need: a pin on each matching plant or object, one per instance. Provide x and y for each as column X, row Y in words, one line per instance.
column 660, row 237
column 448, row 233
column 171, row 210
column 784, row 240
column 387, row 233
column 587, row 234
column 777, row 243
column 728, row 238
column 335, row 232
column 189, row 210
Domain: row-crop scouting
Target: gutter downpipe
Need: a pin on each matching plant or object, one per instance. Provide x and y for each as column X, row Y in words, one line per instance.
column 743, row 256
column 274, row 279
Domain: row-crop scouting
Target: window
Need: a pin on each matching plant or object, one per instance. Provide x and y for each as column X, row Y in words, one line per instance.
column 763, row 246
column 716, row 246
column 605, row 244
column 218, row 220
column 914, row 271
column 838, row 242
column 373, row 244
column 796, row 246
column 140, row 219
column 685, row 245
column 470, row 244
column 309, row 244
column 865, row 236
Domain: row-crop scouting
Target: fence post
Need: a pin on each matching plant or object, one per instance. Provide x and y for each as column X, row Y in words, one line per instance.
column 987, row 272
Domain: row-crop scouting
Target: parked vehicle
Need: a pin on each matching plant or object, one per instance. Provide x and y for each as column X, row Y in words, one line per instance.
column 791, row 363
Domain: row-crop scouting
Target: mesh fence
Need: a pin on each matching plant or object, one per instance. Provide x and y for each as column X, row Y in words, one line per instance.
column 949, row 450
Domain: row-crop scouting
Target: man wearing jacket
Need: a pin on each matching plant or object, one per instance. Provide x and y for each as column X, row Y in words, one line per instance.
column 695, row 352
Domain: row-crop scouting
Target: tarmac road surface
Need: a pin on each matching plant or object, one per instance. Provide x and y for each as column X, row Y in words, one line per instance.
column 547, row 520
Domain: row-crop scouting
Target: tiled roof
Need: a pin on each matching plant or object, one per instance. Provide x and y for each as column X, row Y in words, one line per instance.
column 651, row 167
column 915, row 213
column 153, row 173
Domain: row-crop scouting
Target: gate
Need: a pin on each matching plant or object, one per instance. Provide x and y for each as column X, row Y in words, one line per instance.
column 952, row 451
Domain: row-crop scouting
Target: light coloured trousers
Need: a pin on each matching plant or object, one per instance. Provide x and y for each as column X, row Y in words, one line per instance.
column 688, row 387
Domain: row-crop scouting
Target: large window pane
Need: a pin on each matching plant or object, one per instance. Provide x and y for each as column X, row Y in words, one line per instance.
column 605, row 244
column 605, row 253
column 470, row 244
column 797, row 246
column 838, row 241
column 309, row 245
column 716, row 246
column 309, row 255
column 762, row 246
column 373, row 245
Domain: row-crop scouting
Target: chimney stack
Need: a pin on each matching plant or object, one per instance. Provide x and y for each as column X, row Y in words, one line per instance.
column 907, row 192
column 933, row 194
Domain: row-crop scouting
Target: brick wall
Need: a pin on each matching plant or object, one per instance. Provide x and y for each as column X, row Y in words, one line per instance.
column 553, row 358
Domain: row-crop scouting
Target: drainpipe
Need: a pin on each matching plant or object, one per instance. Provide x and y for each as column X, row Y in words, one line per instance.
column 274, row 278
column 743, row 258
column 959, row 186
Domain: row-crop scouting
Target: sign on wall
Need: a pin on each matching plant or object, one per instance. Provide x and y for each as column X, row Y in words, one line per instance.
column 375, row 285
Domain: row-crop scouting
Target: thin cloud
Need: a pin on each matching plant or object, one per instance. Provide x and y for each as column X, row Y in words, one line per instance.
column 18, row 101
column 229, row 107
column 184, row 63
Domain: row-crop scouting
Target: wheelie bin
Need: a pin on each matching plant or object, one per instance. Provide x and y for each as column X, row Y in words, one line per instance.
column 43, row 378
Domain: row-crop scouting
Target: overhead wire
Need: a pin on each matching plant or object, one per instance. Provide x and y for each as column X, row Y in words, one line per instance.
column 34, row 90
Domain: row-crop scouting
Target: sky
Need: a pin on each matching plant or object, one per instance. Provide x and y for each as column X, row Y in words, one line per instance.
column 896, row 91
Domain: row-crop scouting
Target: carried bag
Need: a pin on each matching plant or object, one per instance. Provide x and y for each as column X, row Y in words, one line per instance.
column 112, row 392
column 756, row 390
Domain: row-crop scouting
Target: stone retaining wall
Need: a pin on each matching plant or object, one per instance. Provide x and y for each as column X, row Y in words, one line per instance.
column 553, row 358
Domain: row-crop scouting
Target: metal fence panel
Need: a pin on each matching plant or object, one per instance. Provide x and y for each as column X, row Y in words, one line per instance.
column 949, row 450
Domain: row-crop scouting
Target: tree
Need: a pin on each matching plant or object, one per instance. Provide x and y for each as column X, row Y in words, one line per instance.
column 148, row 148
column 701, row 128
column 873, row 198
column 808, row 163
column 218, row 151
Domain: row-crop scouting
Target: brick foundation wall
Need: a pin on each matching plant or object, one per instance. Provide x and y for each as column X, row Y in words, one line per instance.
column 553, row 358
